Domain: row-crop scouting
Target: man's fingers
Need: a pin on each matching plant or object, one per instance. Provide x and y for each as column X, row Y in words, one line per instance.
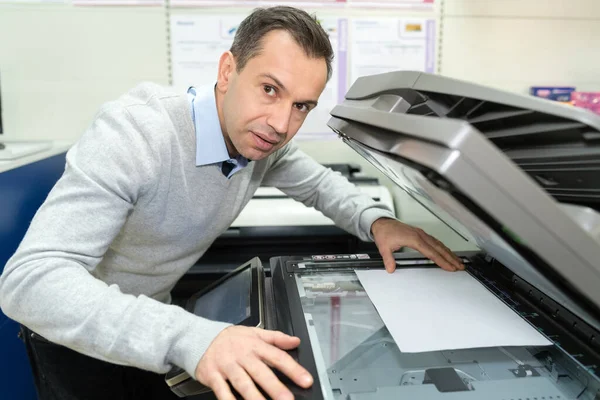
column 278, row 339
column 220, row 387
column 285, row 363
column 428, row 251
column 265, row 378
column 459, row 263
column 435, row 250
column 449, row 253
column 240, row 354
column 445, row 252
column 242, row 382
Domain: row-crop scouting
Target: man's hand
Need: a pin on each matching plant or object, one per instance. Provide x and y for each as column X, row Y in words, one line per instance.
column 242, row 356
column 390, row 235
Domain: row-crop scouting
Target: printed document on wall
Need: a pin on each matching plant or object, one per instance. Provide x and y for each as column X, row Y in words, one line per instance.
column 197, row 42
column 315, row 125
column 262, row 3
column 118, row 2
column 392, row 44
column 405, row 4
column 34, row 1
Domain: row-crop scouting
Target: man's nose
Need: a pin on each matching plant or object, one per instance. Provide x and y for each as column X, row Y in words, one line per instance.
column 279, row 118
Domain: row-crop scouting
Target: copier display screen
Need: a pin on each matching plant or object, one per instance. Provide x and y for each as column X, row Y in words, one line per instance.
column 228, row 302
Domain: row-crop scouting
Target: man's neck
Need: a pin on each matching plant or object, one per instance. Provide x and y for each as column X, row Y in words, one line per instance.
column 231, row 150
column 229, row 144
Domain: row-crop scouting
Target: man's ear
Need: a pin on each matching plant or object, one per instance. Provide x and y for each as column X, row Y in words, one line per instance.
column 226, row 71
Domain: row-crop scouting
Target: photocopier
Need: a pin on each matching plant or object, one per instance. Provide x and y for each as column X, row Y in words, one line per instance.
column 518, row 177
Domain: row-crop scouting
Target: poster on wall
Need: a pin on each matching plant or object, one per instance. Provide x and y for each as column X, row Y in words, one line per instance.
column 197, row 42
column 315, row 125
column 33, row 1
column 404, row 4
column 118, row 2
column 381, row 45
column 256, row 3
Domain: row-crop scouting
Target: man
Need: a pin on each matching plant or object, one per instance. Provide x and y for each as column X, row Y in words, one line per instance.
column 149, row 186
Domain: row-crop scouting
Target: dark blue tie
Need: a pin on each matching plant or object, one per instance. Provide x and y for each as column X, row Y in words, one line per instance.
column 226, row 168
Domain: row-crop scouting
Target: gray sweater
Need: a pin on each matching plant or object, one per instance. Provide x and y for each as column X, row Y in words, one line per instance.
column 130, row 215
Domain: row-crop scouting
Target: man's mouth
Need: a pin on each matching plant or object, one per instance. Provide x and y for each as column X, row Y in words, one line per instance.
column 263, row 142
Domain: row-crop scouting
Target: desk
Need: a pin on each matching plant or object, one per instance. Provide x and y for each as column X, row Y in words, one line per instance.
column 57, row 147
column 24, row 185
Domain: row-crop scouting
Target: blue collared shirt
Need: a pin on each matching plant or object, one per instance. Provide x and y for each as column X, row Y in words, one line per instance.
column 210, row 143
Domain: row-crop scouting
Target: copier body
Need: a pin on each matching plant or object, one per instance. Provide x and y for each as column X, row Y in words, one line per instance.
column 514, row 175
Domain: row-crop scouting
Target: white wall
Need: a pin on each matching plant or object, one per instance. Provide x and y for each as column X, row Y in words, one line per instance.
column 515, row 44
column 58, row 63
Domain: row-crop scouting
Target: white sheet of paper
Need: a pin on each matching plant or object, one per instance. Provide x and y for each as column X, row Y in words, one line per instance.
column 429, row 309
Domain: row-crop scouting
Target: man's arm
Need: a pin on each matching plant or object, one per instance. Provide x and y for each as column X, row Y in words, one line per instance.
column 48, row 286
column 302, row 178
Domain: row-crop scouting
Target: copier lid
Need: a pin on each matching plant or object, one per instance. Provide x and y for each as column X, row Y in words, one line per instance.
column 467, row 181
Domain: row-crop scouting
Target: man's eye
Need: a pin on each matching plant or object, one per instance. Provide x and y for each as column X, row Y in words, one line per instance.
column 302, row 107
column 269, row 90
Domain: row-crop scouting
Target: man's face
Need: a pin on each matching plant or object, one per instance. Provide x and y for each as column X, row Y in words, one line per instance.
column 262, row 107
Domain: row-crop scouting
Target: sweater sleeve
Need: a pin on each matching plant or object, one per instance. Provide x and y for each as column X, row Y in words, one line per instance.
column 302, row 178
column 49, row 284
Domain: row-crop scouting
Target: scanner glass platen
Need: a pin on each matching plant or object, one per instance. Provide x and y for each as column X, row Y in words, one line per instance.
column 357, row 358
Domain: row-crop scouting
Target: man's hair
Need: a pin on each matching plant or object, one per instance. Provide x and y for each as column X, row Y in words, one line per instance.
column 304, row 28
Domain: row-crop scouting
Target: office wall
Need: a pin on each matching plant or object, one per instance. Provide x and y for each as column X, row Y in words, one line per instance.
column 514, row 44
column 58, row 63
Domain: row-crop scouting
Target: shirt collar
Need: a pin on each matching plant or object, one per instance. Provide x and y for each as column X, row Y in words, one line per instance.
column 210, row 143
